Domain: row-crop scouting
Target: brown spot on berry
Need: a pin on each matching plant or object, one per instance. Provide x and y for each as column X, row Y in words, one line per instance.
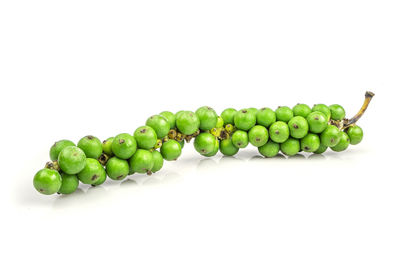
column 90, row 137
column 143, row 130
column 306, row 148
column 121, row 141
column 316, row 118
column 244, row 111
column 295, row 126
column 258, row 139
column 41, row 190
column 120, row 177
column 94, row 177
column 276, row 132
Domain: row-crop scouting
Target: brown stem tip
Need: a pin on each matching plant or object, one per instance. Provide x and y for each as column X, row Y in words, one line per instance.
column 349, row 122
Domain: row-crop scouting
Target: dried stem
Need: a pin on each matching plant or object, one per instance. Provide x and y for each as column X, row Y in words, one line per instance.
column 349, row 122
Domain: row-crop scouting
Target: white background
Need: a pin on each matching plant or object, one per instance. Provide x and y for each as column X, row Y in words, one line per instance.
column 72, row 68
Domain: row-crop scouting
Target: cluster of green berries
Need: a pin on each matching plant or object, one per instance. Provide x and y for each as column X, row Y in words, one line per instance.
column 162, row 137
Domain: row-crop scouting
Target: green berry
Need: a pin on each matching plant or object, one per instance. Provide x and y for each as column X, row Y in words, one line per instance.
column 227, row 147
column 266, row 117
column 215, row 149
column 290, row 147
column 72, row 160
column 220, row 122
column 124, row 146
column 204, row 143
column 57, row 147
column 91, row 146
column 355, row 134
column 317, row 122
column 321, row 149
column 182, row 143
column 245, row 119
column 145, row 137
column 258, row 136
column 208, row 118
column 158, row 161
column 171, row 150
column 92, row 172
column 240, row 139
column 301, row 110
column 337, row 112
column 69, row 183
column 279, row 132
column 284, row 114
column 171, row 118
column 324, row 109
column 159, row 124
column 107, row 146
column 270, row 149
column 228, row 115
column 330, row 136
column 141, row 161
column 47, row 181
column 117, row 169
column 298, row 127
column 344, row 142
column 187, row 122
column 310, row 143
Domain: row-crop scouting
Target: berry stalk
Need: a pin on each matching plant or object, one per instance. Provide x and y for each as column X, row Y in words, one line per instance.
column 350, row 122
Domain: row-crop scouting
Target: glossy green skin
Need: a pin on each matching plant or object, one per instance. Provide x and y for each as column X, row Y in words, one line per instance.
column 101, row 180
column 324, row 109
column 284, row 114
column 321, row 149
column 310, row 143
column 57, row 147
column 141, row 161
column 355, row 134
column 279, row 132
column 92, row 172
column 92, row 146
column 298, row 127
column 344, row 142
column 258, row 136
column 228, row 115
column 215, row 149
column 145, row 137
column 330, row 136
column 124, row 146
column 47, row 181
column 302, row 110
column 159, row 124
column 171, row 118
column 240, row 139
column 208, row 118
column 204, row 143
column 72, row 160
column 337, row 112
column 253, row 110
column 117, row 169
column 270, row 149
column 158, row 161
column 171, row 150
column 317, row 122
column 290, row 147
column 265, row 117
column 107, row 146
column 244, row 119
column 227, row 147
column 69, row 183
column 187, row 122
column 220, row 122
